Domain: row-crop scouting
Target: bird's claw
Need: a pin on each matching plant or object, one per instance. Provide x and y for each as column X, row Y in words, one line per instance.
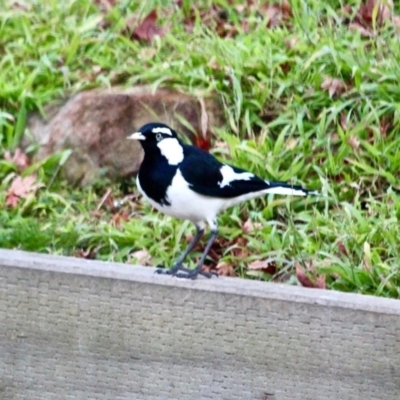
column 193, row 274
column 182, row 272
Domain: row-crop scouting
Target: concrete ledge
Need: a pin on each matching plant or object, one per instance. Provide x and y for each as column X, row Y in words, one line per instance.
column 78, row 329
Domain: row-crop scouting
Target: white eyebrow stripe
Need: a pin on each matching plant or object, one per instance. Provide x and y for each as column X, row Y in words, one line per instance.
column 167, row 131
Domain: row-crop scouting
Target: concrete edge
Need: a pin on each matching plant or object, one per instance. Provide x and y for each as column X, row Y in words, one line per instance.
column 243, row 287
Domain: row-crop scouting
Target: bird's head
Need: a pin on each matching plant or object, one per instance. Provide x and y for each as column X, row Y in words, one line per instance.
column 153, row 133
column 159, row 140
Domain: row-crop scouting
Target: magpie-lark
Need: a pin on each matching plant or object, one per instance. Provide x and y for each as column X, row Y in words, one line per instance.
column 188, row 183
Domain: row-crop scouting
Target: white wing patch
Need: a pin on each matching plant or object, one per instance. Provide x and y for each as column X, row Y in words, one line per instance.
column 171, row 150
column 229, row 175
column 162, row 129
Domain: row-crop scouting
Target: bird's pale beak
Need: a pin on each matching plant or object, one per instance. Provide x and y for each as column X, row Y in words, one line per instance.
column 137, row 136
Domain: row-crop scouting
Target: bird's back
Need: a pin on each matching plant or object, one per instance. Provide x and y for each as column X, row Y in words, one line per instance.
column 209, row 177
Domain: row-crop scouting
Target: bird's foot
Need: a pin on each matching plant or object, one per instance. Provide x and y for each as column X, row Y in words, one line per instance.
column 161, row 269
column 192, row 274
column 181, row 272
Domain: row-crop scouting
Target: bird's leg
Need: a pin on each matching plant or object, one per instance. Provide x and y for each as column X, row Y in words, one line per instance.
column 178, row 266
column 192, row 273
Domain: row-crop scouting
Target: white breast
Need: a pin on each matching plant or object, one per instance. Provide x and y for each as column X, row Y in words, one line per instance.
column 187, row 204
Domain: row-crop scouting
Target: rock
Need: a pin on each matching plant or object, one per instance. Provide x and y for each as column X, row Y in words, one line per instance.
column 94, row 125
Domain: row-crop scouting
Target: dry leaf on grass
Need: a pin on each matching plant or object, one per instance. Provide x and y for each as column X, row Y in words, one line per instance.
column 268, row 267
column 367, row 258
column 386, row 123
column 203, row 139
column 89, row 254
column 225, row 269
column 238, row 248
column 147, row 28
column 21, row 188
column 250, row 226
column 309, row 278
column 105, row 5
column 278, row 14
column 291, row 42
column 106, row 199
column 214, row 18
column 354, row 142
column 355, row 26
column 291, row 143
column 381, row 9
column 372, row 14
column 12, row 200
column 342, row 249
column 221, row 145
column 343, row 121
column 19, row 158
column 147, row 53
column 120, row 217
column 141, row 257
column 334, row 86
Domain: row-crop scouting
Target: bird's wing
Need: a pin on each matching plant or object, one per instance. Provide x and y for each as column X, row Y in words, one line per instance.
column 209, row 177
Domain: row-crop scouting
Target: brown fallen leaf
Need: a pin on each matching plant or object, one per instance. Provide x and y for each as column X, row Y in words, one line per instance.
column 382, row 9
column 147, row 53
column 265, row 266
column 222, row 145
column 104, row 199
column 225, row 269
column 120, row 217
column 396, row 22
column 148, row 28
column 22, row 188
column 367, row 257
column 365, row 32
column 334, row 86
column 370, row 15
column 12, row 200
column 238, row 248
column 308, row 278
column 343, row 121
column 19, row 158
column 277, row 14
column 245, row 26
column 291, row 42
column 354, row 142
column 89, row 254
column 285, row 67
column 203, row 139
column 19, row 5
column 342, row 249
column 141, row 257
column 214, row 17
column 291, row 143
column 105, row 5
column 385, row 124
column 250, row 226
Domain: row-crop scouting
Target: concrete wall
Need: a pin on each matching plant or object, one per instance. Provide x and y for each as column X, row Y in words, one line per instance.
column 77, row 329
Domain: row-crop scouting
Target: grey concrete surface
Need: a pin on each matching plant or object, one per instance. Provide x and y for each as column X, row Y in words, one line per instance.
column 78, row 329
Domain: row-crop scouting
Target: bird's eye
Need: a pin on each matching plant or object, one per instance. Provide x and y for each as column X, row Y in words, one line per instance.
column 158, row 137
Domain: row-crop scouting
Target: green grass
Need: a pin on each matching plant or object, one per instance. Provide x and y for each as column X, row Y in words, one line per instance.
column 281, row 125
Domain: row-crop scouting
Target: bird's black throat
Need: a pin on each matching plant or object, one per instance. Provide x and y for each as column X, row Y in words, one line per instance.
column 155, row 176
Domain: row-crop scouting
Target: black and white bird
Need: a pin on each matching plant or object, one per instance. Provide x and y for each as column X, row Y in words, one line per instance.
column 186, row 182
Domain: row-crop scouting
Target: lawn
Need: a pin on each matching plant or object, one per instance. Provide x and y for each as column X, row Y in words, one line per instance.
column 311, row 94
